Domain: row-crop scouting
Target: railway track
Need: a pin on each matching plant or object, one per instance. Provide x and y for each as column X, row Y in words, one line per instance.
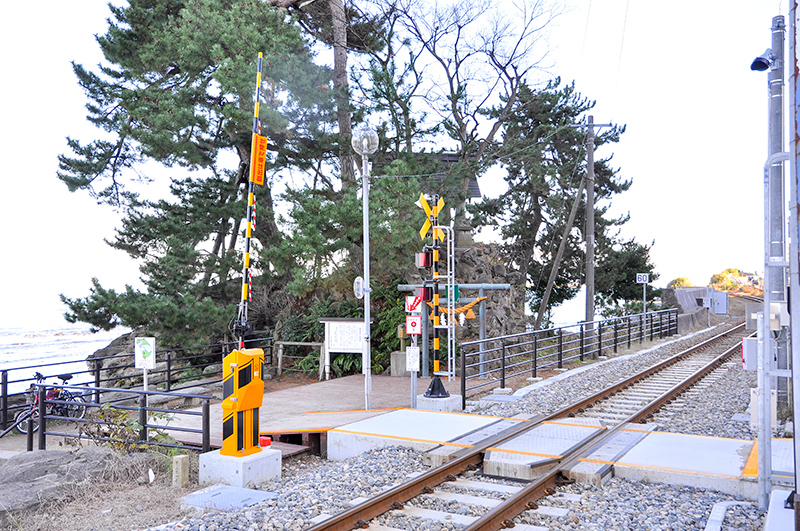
column 633, row 400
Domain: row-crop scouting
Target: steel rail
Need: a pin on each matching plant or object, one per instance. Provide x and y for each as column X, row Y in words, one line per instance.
column 580, row 405
column 500, row 516
column 471, row 458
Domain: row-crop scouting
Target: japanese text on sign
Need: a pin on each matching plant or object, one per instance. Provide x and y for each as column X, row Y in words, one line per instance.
column 259, row 159
column 414, row 325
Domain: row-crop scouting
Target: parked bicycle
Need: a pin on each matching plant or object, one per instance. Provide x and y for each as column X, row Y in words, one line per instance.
column 71, row 404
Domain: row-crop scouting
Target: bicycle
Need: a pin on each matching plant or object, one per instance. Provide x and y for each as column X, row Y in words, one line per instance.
column 74, row 405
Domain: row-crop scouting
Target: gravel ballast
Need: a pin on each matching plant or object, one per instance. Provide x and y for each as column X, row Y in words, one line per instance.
column 311, row 486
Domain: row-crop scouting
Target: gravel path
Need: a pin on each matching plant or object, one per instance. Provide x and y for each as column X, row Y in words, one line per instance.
column 311, row 486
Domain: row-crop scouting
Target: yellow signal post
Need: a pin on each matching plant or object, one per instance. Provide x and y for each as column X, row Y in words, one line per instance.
column 436, row 388
column 243, row 395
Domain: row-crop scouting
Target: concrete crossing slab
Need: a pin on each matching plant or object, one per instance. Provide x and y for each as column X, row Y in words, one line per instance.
column 421, row 430
column 693, row 460
column 528, row 455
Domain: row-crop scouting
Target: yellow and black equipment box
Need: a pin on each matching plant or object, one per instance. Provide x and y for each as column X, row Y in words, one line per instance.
column 243, row 394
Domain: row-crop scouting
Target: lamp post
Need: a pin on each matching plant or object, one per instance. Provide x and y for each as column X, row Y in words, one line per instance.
column 365, row 142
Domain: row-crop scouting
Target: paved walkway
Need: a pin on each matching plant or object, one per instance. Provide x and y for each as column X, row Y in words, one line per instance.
column 326, row 405
column 308, row 408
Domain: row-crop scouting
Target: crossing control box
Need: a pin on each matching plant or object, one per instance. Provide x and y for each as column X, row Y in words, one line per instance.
column 243, row 394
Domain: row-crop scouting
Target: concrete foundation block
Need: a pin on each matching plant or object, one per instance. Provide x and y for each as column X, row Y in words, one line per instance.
column 398, row 364
column 449, row 404
column 180, row 471
column 502, row 391
column 244, row 472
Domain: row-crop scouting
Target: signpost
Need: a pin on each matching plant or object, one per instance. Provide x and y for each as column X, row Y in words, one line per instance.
column 144, row 356
column 643, row 279
column 413, row 329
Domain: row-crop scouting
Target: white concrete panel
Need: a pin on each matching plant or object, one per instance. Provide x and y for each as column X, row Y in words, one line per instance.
column 421, row 430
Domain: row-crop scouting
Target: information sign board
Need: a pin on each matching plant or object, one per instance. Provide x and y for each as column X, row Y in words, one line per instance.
column 344, row 336
column 412, row 359
column 145, row 353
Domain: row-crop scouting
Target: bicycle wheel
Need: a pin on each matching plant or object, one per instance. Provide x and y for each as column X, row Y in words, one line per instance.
column 22, row 416
column 76, row 406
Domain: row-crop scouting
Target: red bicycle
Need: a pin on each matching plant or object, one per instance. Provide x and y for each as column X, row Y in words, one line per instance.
column 71, row 404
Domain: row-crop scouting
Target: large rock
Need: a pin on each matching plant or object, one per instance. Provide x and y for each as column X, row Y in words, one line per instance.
column 29, row 479
column 116, row 363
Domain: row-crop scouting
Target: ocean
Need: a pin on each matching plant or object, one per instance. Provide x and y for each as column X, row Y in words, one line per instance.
column 24, row 351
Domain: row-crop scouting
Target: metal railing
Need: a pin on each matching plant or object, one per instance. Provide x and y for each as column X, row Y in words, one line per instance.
column 146, row 421
column 489, row 362
column 177, row 369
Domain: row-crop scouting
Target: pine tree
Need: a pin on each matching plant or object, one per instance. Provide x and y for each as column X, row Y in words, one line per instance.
column 543, row 155
column 178, row 90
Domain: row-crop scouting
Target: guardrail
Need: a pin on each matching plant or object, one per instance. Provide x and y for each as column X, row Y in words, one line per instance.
column 146, row 421
column 177, row 369
column 491, row 361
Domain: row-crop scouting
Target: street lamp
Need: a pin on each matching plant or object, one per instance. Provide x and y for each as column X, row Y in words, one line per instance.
column 365, row 142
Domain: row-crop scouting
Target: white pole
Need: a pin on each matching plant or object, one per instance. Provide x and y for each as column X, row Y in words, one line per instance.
column 366, row 359
column 794, row 231
column 764, row 416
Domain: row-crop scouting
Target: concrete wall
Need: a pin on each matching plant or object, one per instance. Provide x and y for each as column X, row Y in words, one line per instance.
column 687, row 297
column 692, row 320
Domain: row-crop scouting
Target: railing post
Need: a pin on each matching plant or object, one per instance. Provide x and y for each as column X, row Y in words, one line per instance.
column 463, row 379
column 97, row 367
column 280, row 359
column 42, row 417
column 4, row 398
column 599, row 339
column 628, row 318
column 560, row 348
column 143, row 418
column 582, row 346
column 535, row 354
column 641, row 329
column 206, row 425
column 660, row 326
column 652, row 326
column 29, row 435
column 616, row 335
column 503, row 364
column 168, row 386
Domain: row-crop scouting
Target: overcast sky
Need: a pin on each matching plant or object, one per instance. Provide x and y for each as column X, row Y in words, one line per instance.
column 676, row 73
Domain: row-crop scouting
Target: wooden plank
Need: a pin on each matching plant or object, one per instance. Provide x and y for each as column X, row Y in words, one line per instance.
column 195, row 439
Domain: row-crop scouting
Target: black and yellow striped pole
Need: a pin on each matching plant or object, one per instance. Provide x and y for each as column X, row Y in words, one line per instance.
column 242, row 369
column 258, row 155
column 436, row 388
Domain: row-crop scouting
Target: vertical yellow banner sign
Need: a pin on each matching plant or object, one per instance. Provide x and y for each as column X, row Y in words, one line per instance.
column 258, row 159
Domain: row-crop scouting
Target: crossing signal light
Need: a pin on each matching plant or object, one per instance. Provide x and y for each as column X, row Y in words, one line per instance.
column 424, row 259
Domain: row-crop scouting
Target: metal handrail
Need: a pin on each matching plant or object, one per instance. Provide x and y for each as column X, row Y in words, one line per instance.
column 7, row 412
column 142, row 408
column 553, row 347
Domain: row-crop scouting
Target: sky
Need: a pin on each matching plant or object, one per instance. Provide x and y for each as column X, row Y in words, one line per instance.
column 675, row 73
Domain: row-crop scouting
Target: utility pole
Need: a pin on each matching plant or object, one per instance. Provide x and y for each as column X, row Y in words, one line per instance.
column 590, row 221
column 773, row 330
column 590, row 125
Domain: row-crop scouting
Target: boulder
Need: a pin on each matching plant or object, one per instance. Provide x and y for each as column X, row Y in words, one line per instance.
column 29, row 479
